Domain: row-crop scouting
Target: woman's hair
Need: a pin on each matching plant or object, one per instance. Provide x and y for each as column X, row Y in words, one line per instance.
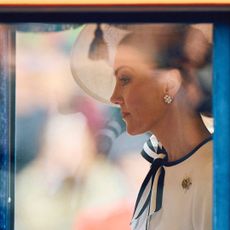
column 179, row 46
column 171, row 45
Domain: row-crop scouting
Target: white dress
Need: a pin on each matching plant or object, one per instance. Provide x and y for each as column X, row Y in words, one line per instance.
column 186, row 194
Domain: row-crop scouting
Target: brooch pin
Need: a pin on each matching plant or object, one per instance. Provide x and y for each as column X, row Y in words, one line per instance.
column 186, row 183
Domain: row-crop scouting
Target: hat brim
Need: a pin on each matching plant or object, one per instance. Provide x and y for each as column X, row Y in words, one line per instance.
column 95, row 77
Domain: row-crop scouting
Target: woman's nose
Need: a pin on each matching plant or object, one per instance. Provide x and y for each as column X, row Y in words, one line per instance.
column 116, row 97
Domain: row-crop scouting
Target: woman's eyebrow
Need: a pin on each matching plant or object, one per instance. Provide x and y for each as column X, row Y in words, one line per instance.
column 119, row 68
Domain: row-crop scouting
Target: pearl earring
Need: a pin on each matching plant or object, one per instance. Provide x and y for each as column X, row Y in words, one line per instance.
column 168, row 99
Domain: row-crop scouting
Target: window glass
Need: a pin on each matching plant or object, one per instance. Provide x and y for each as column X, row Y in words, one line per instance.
column 76, row 165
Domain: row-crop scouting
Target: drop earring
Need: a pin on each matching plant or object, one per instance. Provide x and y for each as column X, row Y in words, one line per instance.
column 168, row 99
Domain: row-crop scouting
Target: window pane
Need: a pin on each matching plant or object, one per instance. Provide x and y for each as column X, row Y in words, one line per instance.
column 74, row 156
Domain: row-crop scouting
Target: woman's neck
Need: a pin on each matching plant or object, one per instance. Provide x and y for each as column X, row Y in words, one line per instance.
column 180, row 134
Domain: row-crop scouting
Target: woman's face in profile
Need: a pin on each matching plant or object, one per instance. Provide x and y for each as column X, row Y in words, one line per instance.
column 139, row 90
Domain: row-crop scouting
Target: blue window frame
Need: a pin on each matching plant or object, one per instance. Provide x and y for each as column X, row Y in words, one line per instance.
column 221, row 93
column 221, row 137
column 7, row 107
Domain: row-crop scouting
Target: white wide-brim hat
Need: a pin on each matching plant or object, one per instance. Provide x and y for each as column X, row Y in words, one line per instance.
column 95, row 75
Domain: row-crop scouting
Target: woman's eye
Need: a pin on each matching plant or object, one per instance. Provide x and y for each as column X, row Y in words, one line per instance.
column 124, row 80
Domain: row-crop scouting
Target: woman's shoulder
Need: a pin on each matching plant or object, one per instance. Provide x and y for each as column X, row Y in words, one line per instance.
column 204, row 169
column 204, row 156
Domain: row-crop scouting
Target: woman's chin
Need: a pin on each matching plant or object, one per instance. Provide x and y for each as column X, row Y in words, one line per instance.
column 134, row 131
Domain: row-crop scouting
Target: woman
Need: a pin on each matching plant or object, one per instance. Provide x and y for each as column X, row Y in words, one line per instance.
column 157, row 87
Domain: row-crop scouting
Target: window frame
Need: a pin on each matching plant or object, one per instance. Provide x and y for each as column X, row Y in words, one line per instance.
column 216, row 14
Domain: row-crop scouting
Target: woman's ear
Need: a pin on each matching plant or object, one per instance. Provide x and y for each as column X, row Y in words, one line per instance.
column 173, row 82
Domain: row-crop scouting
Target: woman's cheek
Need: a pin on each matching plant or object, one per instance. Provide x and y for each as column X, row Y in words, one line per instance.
column 133, row 101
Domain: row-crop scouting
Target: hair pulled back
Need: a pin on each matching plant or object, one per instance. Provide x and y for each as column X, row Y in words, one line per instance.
column 179, row 46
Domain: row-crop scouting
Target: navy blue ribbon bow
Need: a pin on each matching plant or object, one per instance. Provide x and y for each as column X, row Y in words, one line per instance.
column 153, row 152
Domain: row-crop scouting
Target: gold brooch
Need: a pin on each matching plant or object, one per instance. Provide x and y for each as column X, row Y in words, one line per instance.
column 186, row 183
